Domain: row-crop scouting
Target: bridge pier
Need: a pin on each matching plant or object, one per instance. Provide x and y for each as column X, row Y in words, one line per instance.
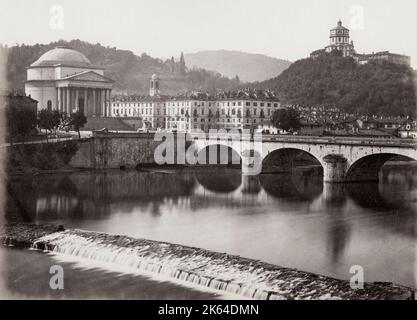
column 251, row 163
column 335, row 167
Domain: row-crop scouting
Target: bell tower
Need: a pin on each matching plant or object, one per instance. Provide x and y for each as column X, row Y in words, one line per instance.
column 154, row 86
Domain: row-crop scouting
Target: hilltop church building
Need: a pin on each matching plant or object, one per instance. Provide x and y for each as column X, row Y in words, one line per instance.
column 340, row 41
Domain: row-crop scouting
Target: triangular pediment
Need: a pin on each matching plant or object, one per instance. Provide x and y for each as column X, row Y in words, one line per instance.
column 88, row 76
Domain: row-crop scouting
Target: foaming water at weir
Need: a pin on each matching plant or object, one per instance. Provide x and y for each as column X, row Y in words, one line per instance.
column 132, row 260
column 215, row 271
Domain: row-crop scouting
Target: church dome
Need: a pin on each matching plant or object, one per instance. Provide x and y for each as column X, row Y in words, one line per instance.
column 62, row 55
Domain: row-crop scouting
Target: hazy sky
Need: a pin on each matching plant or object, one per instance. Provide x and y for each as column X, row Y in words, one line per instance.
column 284, row 29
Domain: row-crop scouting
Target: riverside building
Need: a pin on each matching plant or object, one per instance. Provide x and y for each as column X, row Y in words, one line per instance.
column 242, row 109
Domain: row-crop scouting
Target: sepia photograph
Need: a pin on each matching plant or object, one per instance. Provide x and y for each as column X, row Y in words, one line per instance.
column 222, row 151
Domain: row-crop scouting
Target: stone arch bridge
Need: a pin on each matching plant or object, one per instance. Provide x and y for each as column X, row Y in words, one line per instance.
column 343, row 159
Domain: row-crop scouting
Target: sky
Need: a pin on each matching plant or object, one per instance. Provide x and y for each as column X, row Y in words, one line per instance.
column 288, row 29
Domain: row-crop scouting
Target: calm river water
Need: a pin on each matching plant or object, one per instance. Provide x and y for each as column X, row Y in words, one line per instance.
column 291, row 220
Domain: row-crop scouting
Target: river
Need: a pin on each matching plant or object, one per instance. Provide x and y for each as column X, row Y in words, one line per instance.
column 291, row 220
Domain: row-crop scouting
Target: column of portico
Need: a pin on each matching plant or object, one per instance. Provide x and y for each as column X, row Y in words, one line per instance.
column 59, row 99
column 103, row 102
column 64, row 99
column 77, row 93
column 98, row 102
column 68, row 106
column 94, row 103
column 56, row 100
column 86, row 110
column 108, row 102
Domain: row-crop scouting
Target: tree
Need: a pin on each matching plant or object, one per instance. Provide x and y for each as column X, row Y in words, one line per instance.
column 182, row 64
column 172, row 65
column 20, row 122
column 286, row 119
column 49, row 120
column 77, row 120
column 377, row 87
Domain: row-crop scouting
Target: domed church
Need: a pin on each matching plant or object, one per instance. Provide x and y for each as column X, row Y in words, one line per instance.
column 64, row 79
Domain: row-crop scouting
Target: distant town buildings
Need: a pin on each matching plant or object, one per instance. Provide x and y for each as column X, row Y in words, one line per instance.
column 334, row 122
column 242, row 109
column 64, row 79
column 340, row 41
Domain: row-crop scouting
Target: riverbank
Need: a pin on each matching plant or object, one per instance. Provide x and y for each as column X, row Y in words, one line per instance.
column 40, row 157
column 234, row 274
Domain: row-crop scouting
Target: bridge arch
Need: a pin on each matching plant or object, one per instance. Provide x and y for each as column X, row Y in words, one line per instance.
column 367, row 168
column 286, row 158
column 218, row 153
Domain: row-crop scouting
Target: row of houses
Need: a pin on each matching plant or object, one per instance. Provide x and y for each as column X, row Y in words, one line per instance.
column 344, row 124
column 241, row 109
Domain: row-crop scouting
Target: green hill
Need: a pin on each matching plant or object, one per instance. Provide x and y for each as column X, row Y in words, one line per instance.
column 380, row 88
column 130, row 72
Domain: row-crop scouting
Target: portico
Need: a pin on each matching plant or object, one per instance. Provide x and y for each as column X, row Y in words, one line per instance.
column 88, row 92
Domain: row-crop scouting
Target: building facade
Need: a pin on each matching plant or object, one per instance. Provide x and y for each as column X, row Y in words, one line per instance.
column 243, row 109
column 151, row 110
column 384, row 56
column 64, row 79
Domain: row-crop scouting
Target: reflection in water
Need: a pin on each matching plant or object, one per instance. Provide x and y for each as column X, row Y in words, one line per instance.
column 220, row 183
column 294, row 186
column 291, row 220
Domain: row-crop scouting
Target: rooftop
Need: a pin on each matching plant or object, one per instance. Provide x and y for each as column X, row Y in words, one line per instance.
column 63, row 55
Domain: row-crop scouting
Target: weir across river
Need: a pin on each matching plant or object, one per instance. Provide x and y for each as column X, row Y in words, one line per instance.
column 343, row 159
